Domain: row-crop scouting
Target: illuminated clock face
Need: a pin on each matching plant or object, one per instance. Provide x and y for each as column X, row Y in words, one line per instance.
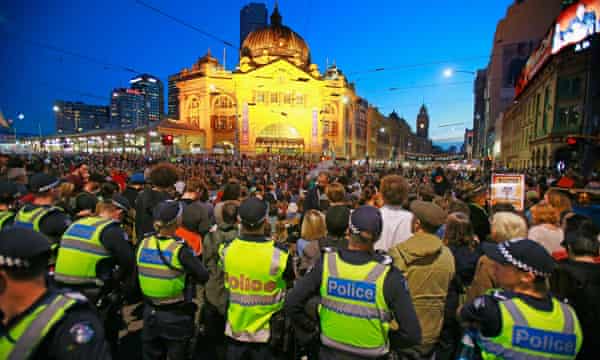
column 422, row 126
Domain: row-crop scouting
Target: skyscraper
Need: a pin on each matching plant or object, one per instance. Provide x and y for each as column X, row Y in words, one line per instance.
column 423, row 123
column 127, row 108
column 154, row 98
column 252, row 17
column 173, row 98
column 72, row 117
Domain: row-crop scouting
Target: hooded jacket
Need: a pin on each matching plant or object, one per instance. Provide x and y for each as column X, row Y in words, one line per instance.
column 428, row 266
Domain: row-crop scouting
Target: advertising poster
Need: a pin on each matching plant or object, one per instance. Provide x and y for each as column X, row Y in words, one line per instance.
column 508, row 188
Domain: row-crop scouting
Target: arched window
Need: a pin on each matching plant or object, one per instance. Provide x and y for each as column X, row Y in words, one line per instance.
column 223, row 113
column 193, row 112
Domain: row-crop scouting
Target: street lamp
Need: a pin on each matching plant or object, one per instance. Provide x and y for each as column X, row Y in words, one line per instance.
column 55, row 108
column 382, row 130
column 449, row 72
column 20, row 116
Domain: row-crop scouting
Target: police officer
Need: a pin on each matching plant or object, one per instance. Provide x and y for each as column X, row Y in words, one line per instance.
column 42, row 216
column 522, row 320
column 257, row 274
column 165, row 265
column 90, row 252
column 36, row 322
column 365, row 308
column 9, row 193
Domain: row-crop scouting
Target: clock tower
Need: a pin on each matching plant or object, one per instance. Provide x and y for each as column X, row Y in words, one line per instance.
column 423, row 123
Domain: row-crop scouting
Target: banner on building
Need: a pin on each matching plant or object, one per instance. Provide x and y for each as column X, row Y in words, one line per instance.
column 508, row 188
column 576, row 23
column 245, row 128
column 315, row 128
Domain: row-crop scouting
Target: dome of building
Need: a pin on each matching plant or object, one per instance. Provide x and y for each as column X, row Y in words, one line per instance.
column 276, row 41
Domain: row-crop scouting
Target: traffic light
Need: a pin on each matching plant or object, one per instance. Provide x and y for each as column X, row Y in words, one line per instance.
column 571, row 141
column 167, row 140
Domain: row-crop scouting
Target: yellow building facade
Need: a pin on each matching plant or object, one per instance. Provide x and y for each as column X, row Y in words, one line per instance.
column 275, row 102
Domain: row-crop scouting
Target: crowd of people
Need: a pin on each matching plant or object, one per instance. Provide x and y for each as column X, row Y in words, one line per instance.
column 290, row 259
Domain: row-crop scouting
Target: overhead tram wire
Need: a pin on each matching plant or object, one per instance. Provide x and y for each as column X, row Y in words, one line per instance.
column 88, row 58
column 413, row 66
column 184, row 23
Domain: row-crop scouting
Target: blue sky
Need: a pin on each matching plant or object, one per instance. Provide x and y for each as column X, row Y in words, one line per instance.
column 357, row 35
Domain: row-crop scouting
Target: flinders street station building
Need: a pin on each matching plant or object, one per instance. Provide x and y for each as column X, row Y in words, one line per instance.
column 277, row 101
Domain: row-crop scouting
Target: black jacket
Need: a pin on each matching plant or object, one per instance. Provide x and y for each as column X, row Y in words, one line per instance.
column 144, row 205
column 579, row 284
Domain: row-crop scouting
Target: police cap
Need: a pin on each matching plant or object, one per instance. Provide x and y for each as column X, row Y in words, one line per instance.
column 167, row 212
column 42, row 182
column 121, row 202
column 253, row 211
column 524, row 254
column 366, row 219
column 18, row 247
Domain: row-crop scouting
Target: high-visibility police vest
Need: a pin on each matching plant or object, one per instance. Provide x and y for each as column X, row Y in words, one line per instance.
column 31, row 219
column 254, row 278
column 80, row 251
column 22, row 339
column 5, row 217
column 531, row 334
column 353, row 313
column 161, row 283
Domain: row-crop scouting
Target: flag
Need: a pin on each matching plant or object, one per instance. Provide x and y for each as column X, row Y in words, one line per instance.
column 3, row 121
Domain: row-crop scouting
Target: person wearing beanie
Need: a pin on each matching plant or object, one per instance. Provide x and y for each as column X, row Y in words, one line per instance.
column 167, row 271
column 522, row 320
column 429, row 268
column 42, row 215
column 39, row 322
column 365, row 310
column 89, row 252
column 255, row 267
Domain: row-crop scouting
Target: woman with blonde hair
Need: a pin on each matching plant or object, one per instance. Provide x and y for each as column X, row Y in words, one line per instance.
column 312, row 230
column 558, row 200
column 546, row 230
column 505, row 226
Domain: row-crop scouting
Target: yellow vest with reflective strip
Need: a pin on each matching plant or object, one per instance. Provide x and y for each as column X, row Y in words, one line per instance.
column 160, row 283
column 31, row 219
column 23, row 338
column 531, row 334
column 81, row 250
column 5, row 216
column 352, row 298
column 254, row 278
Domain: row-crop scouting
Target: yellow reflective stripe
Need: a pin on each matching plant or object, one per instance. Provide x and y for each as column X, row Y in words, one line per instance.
column 261, row 336
column 358, row 311
column 366, row 352
column 252, row 300
column 84, row 246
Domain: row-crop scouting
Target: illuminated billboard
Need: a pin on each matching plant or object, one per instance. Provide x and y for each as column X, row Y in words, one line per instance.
column 576, row 23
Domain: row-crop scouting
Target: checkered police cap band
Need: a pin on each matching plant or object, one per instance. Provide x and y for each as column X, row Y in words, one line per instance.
column 504, row 250
column 13, row 262
column 49, row 186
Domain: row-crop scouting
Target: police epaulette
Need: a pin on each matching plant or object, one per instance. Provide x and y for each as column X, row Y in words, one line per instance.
column 385, row 260
column 498, row 294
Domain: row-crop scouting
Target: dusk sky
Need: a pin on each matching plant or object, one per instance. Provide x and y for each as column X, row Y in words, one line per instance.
column 409, row 38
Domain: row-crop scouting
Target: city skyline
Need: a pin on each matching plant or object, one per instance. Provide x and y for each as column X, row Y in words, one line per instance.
column 448, row 100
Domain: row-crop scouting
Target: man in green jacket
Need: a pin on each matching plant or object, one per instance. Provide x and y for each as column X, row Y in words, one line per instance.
column 429, row 267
